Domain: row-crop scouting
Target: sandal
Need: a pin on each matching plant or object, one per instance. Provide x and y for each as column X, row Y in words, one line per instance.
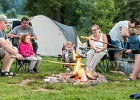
column 9, row 74
column 12, row 74
column 129, row 79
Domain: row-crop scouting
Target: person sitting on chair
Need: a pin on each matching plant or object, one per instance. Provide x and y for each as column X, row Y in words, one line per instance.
column 67, row 55
column 133, row 41
column 98, row 48
column 26, row 49
column 6, row 49
column 23, row 28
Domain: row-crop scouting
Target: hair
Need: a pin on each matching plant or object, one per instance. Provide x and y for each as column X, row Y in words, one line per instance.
column 97, row 26
column 135, row 20
column 22, row 39
column 68, row 43
column 132, row 31
column 24, row 19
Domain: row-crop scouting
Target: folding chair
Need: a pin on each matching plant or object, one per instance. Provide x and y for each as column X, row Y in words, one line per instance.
column 61, row 56
column 22, row 64
column 108, row 59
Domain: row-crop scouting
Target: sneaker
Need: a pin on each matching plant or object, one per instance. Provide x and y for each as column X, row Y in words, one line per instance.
column 31, row 71
column 68, row 69
column 35, row 69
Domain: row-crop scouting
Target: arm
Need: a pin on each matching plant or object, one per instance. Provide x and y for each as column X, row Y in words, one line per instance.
column 23, row 51
column 135, row 51
column 11, row 35
column 125, row 32
column 33, row 36
column 9, row 42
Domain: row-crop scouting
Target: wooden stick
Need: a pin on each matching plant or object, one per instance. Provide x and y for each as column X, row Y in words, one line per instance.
column 87, row 38
column 52, row 61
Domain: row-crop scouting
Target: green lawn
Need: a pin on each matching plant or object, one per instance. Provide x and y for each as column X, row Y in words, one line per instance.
column 36, row 89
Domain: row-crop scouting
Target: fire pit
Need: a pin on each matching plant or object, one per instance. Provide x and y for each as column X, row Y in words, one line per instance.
column 77, row 76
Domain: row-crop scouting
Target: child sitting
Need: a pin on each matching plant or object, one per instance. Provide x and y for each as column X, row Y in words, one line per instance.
column 133, row 41
column 67, row 51
column 26, row 49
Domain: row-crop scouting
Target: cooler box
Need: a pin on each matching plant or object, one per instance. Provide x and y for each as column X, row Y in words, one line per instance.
column 125, row 65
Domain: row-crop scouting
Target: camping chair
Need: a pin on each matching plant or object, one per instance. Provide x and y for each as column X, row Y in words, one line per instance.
column 61, row 56
column 22, row 64
column 108, row 60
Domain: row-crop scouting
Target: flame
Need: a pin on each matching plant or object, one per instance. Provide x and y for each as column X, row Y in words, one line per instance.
column 78, row 70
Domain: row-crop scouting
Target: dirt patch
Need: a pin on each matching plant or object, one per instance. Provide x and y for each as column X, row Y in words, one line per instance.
column 24, row 82
column 47, row 90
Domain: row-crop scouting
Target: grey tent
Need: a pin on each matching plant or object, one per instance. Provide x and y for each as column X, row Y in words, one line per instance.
column 52, row 35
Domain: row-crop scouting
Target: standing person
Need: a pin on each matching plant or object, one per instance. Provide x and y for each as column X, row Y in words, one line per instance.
column 136, row 70
column 6, row 49
column 23, row 28
column 98, row 49
column 26, row 49
column 118, row 34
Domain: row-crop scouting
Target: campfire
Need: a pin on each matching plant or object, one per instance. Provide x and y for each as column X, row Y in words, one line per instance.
column 78, row 75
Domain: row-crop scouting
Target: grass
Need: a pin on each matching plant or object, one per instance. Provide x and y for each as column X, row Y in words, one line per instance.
column 116, row 89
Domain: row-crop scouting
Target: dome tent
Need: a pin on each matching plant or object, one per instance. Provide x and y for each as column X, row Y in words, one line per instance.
column 51, row 35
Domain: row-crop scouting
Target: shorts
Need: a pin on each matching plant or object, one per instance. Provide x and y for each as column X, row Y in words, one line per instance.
column 117, row 44
column 2, row 53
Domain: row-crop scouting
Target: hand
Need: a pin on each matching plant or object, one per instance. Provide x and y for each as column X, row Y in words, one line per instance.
column 128, row 51
column 98, row 50
column 19, row 56
column 35, row 55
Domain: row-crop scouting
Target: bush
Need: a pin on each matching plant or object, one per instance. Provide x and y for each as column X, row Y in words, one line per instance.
column 12, row 13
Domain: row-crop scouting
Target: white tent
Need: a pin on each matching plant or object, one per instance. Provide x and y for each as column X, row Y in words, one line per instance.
column 51, row 35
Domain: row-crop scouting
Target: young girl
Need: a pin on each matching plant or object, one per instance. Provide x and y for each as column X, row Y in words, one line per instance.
column 26, row 49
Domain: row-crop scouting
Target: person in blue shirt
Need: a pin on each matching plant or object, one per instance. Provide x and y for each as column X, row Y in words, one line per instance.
column 133, row 41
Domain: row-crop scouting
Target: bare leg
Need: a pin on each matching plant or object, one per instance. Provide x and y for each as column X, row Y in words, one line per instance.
column 7, row 62
column 136, row 67
column 117, row 55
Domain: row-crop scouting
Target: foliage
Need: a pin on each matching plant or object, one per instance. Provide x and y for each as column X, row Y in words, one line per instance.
column 11, row 13
column 6, row 5
column 79, row 13
column 36, row 89
column 131, row 9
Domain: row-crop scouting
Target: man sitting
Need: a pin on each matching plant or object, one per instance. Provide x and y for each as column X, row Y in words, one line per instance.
column 23, row 28
column 6, row 49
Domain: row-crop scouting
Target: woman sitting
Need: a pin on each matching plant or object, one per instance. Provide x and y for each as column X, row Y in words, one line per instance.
column 97, row 42
column 26, row 49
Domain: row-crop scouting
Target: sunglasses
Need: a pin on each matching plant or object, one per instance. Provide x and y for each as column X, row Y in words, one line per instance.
column 94, row 30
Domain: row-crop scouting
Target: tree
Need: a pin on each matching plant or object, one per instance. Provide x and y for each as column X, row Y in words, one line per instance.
column 131, row 9
column 52, row 8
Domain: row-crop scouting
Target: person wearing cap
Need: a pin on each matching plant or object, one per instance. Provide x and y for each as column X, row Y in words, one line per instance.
column 6, row 49
column 23, row 28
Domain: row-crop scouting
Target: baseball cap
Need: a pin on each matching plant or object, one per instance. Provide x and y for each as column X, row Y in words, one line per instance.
column 3, row 18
